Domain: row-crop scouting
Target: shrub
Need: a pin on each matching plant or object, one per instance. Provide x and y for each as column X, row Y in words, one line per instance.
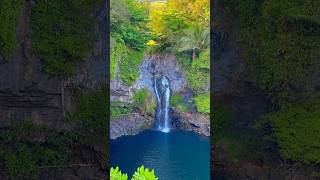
column 177, row 102
column 144, row 173
column 10, row 12
column 295, row 128
column 115, row 174
column 197, row 72
column 62, row 33
column 144, row 100
column 140, row 174
column 203, row 103
column 129, row 67
column 119, row 109
column 22, row 155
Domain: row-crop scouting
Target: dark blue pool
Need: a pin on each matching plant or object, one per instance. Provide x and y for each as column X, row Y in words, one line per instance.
column 177, row 155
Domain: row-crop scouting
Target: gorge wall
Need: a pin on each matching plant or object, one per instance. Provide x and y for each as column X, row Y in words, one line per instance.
column 29, row 94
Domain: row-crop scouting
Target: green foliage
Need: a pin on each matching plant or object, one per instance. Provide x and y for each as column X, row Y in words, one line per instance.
column 91, row 116
column 118, row 52
column 196, row 38
column 119, row 109
column 203, row 61
column 22, row 154
column 221, row 118
column 129, row 67
column 240, row 146
column 10, row 12
column 296, row 130
column 203, row 103
column 197, row 72
column 176, row 101
column 128, row 23
column 144, row 100
column 141, row 173
column 280, row 40
column 62, row 33
column 144, row 174
column 115, row 174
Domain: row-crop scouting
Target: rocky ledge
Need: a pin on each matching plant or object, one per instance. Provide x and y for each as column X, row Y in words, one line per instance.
column 195, row 122
column 130, row 125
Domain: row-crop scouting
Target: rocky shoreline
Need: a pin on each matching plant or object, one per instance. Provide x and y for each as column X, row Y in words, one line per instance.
column 135, row 123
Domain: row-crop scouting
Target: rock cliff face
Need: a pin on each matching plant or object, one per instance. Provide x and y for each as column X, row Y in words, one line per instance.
column 26, row 92
column 195, row 122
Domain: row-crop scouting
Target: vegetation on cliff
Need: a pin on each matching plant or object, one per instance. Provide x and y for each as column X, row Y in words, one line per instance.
column 62, row 33
column 10, row 13
column 280, row 41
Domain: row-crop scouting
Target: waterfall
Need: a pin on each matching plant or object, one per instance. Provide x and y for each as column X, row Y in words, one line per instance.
column 163, row 104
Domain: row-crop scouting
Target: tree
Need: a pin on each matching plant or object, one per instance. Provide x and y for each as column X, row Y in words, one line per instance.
column 194, row 39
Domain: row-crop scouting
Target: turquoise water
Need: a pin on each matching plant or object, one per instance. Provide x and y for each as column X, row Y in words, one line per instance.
column 177, row 155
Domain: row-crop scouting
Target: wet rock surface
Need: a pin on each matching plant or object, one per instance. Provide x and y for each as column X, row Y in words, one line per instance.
column 130, row 125
column 195, row 122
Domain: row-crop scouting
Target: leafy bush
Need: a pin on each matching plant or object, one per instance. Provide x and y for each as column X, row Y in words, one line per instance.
column 10, row 12
column 296, row 130
column 119, row 109
column 177, row 102
column 203, row 103
column 140, row 174
column 129, row 67
column 144, row 173
column 22, row 155
column 144, row 100
column 62, row 33
column 115, row 174
column 197, row 72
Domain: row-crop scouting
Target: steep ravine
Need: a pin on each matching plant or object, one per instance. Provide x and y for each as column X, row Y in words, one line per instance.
column 155, row 65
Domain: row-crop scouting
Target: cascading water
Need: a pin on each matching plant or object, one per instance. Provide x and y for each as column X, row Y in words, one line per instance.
column 163, row 97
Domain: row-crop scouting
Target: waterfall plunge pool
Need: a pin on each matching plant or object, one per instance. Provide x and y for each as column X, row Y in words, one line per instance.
column 173, row 156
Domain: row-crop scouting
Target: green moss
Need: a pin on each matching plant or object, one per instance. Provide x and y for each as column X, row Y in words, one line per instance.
column 295, row 129
column 62, row 33
column 144, row 101
column 196, row 72
column 91, row 116
column 129, row 67
column 176, row 101
column 117, row 53
column 10, row 12
column 22, row 154
column 120, row 109
column 203, row 103
column 280, row 40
